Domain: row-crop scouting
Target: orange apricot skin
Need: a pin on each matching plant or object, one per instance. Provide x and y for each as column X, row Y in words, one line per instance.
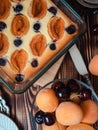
column 90, row 111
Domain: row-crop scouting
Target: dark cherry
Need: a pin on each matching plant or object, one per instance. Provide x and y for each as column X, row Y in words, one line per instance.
column 71, row 29
column 85, row 94
column 57, row 85
column 73, row 85
column 53, row 10
column 18, row 8
column 34, row 63
column 53, row 46
column 17, row 42
column 94, row 29
column 36, row 26
column 2, row 62
column 39, row 117
column 61, row 90
column 49, row 119
column 2, row 25
column 19, row 77
column 63, row 93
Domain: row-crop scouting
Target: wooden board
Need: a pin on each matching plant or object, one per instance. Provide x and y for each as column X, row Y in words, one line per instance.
column 50, row 74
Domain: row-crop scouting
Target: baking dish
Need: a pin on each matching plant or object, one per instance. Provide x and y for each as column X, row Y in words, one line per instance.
column 35, row 109
column 21, row 87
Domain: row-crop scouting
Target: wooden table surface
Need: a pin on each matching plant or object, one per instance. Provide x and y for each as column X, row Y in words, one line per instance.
column 20, row 105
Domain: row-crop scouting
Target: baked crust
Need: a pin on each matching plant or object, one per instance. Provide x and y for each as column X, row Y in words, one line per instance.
column 32, row 40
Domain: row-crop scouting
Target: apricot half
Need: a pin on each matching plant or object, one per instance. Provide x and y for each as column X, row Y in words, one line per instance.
column 20, row 25
column 4, row 44
column 56, row 27
column 4, row 9
column 38, row 9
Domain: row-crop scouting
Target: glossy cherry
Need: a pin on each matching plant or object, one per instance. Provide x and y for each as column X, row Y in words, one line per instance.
column 49, row 119
column 39, row 117
column 36, row 26
column 19, row 77
column 34, row 63
column 53, row 10
column 70, row 29
column 61, row 90
column 85, row 94
column 53, row 46
column 2, row 62
column 18, row 42
column 57, row 85
column 73, row 85
column 18, row 8
column 2, row 26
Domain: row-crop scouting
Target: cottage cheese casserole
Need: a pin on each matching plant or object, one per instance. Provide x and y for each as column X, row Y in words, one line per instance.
column 32, row 32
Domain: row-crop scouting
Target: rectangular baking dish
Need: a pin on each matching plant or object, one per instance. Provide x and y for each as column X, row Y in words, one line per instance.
column 18, row 88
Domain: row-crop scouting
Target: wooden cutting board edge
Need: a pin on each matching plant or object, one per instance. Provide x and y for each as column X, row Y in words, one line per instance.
column 50, row 74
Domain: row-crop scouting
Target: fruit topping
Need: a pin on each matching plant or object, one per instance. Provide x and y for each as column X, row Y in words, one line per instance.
column 34, row 63
column 56, row 27
column 53, row 10
column 53, row 46
column 38, row 44
column 39, row 117
column 20, row 25
column 4, row 9
column 71, row 29
column 38, row 9
column 49, row 119
column 4, row 44
column 19, row 77
column 2, row 25
column 19, row 60
column 85, row 94
column 36, row 27
column 94, row 29
column 18, row 8
column 2, row 62
column 17, row 42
